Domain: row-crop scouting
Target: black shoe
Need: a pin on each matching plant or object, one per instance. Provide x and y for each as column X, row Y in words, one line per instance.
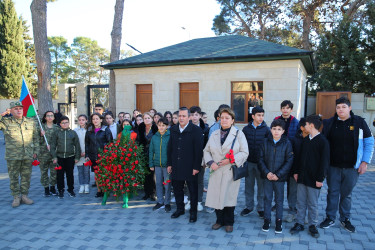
column 177, row 214
column 46, row 192
column 52, row 190
column 145, row 197
column 157, row 206
column 273, row 209
column 348, row 226
column 61, row 195
column 93, row 185
column 327, row 223
column 99, row 194
column 266, row 225
column 279, row 226
column 296, row 228
column 167, row 208
column 71, row 193
column 193, row 218
column 313, row 231
column 261, row 214
column 246, row 212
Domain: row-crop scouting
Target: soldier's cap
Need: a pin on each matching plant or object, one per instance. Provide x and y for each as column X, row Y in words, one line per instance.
column 15, row 104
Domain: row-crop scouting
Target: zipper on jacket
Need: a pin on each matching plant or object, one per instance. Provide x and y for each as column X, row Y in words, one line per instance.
column 161, row 142
column 65, row 144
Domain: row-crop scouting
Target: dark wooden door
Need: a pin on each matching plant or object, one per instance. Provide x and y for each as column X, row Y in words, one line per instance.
column 189, row 94
column 144, row 97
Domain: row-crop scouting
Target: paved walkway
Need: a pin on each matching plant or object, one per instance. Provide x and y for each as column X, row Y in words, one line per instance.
column 82, row 223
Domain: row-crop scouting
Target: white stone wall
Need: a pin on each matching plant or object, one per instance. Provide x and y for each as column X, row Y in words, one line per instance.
column 281, row 80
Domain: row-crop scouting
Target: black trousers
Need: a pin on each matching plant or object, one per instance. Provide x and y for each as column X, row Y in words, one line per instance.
column 178, row 189
column 149, row 184
column 67, row 165
column 225, row 217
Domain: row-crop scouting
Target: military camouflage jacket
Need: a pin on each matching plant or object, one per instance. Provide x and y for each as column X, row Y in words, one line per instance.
column 49, row 135
column 65, row 144
column 21, row 136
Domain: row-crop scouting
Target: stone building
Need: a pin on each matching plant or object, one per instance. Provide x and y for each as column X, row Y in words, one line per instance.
column 240, row 71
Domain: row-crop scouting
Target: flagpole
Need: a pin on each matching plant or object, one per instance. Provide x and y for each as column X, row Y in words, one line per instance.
column 36, row 113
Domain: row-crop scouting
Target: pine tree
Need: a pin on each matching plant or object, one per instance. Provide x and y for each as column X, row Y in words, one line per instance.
column 342, row 63
column 12, row 51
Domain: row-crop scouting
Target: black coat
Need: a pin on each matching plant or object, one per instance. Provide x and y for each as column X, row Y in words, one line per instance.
column 185, row 151
column 296, row 145
column 95, row 141
column 255, row 138
column 276, row 158
column 313, row 161
column 142, row 139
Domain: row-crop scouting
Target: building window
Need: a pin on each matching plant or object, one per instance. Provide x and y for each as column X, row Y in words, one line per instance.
column 246, row 96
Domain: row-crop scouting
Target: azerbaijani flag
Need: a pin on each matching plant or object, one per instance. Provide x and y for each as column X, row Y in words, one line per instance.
column 27, row 101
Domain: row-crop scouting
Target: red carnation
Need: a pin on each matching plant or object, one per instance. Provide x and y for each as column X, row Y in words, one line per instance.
column 88, row 163
column 130, row 149
column 36, row 163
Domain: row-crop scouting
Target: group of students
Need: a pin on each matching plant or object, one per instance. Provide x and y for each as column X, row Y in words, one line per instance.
column 289, row 151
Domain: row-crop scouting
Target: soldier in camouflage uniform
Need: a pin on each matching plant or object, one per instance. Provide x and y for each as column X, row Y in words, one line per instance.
column 22, row 145
column 45, row 157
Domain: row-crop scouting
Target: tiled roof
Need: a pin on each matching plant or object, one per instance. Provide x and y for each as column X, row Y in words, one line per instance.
column 221, row 49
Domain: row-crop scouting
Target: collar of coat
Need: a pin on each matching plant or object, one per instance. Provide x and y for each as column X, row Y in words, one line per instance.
column 229, row 140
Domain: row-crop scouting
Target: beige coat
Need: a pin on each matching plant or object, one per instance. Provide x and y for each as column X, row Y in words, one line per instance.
column 222, row 190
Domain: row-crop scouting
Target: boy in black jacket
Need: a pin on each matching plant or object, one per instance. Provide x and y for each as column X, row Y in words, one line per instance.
column 275, row 162
column 309, row 174
column 255, row 133
column 66, row 151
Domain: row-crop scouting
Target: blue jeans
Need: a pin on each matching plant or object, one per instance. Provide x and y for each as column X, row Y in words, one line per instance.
column 83, row 175
column 161, row 175
column 254, row 174
column 269, row 188
column 341, row 182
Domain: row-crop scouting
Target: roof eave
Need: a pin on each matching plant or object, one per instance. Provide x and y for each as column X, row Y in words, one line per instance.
column 305, row 57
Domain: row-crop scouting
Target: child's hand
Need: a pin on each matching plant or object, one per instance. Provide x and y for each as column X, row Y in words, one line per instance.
column 214, row 166
column 76, row 161
column 319, row 184
column 270, row 176
column 83, row 154
column 295, row 177
column 54, row 161
column 275, row 178
column 169, row 169
column 224, row 162
column 152, row 169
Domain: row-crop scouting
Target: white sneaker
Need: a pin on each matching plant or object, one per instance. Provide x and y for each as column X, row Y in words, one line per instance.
column 200, row 207
column 81, row 189
column 187, row 206
column 87, row 189
column 186, row 200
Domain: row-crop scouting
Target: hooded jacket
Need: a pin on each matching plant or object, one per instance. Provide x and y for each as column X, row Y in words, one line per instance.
column 276, row 158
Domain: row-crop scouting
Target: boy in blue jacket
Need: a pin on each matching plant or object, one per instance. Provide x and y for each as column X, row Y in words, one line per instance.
column 158, row 163
column 275, row 162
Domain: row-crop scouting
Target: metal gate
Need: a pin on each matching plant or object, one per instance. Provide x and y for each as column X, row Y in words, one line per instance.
column 97, row 94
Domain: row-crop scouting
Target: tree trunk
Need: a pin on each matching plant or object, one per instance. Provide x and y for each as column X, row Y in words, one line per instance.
column 116, row 35
column 306, row 31
column 42, row 54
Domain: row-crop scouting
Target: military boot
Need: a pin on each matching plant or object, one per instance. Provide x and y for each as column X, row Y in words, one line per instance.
column 16, row 202
column 52, row 190
column 26, row 200
column 46, row 192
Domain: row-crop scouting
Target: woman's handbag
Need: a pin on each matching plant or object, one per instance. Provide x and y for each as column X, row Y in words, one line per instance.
column 239, row 172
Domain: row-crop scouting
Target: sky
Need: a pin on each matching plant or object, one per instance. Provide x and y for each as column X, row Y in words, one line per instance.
column 147, row 24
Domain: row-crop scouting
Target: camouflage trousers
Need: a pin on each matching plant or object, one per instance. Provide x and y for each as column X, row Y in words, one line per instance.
column 45, row 165
column 17, row 169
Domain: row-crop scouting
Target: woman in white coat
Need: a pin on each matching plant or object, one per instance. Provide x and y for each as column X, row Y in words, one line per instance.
column 222, row 190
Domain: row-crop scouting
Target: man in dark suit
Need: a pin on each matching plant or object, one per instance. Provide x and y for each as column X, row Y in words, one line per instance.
column 185, row 151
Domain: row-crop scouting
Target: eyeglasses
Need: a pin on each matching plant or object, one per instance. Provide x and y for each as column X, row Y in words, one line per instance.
column 64, row 123
column 50, row 116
